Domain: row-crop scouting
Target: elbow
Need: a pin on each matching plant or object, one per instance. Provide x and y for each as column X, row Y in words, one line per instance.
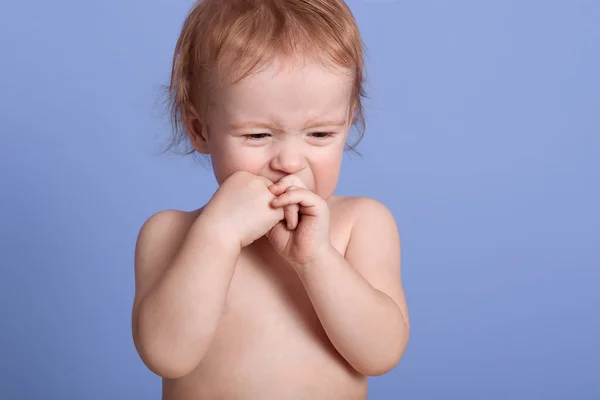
column 167, row 370
column 386, row 360
column 164, row 363
column 379, row 366
column 160, row 358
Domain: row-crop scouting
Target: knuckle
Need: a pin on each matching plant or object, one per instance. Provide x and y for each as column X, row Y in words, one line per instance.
column 285, row 181
column 266, row 180
column 298, row 182
column 257, row 184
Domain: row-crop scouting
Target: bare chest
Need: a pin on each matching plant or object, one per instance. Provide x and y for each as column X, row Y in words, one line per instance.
column 269, row 316
column 270, row 340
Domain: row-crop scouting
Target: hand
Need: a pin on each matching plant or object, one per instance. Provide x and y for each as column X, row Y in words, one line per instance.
column 304, row 233
column 241, row 207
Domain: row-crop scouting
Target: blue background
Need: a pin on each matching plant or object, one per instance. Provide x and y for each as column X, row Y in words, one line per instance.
column 483, row 138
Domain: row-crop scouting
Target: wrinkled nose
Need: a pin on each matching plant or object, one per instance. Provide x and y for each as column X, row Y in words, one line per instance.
column 288, row 158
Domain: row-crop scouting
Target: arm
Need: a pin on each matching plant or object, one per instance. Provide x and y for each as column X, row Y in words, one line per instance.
column 182, row 275
column 359, row 299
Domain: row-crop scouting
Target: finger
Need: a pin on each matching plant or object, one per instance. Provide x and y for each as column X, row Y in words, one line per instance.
column 295, row 181
column 308, row 201
column 291, row 216
column 278, row 192
column 291, row 211
column 286, row 182
column 279, row 234
column 276, row 189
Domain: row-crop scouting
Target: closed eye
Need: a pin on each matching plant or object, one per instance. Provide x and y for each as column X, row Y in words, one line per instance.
column 256, row 136
column 317, row 135
column 324, row 135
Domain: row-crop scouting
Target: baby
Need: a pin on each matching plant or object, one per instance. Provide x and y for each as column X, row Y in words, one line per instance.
column 276, row 288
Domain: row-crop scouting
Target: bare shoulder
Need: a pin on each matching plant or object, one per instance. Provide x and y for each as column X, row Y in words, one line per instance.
column 168, row 219
column 164, row 228
column 159, row 239
column 359, row 209
column 372, row 228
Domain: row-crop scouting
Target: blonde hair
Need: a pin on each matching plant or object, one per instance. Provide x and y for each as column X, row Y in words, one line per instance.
column 233, row 38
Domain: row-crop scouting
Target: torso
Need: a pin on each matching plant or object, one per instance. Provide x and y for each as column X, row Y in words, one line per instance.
column 270, row 343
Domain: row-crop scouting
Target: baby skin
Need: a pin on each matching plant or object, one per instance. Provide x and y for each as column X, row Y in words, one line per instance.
column 275, row 289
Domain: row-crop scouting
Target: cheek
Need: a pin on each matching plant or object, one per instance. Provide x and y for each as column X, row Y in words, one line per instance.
column 326, row 173
column 230, row 159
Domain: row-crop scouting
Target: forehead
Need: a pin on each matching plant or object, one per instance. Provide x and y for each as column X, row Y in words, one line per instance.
column 290, row 93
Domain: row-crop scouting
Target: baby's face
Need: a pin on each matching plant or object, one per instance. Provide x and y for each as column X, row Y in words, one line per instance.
column 283, row 121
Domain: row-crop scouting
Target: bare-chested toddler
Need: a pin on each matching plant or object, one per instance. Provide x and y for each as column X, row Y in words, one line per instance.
column 275, row 288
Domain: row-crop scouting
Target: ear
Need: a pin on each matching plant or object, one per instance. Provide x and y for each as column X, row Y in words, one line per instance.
column 195, row 130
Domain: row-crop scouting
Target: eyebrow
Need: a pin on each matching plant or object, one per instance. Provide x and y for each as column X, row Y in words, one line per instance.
column 310, row 124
